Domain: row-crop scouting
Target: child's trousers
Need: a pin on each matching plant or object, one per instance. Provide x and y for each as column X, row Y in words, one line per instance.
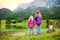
column 38, row 29
column 31, row 31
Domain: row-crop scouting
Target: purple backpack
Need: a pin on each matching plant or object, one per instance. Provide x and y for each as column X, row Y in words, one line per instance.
column 38, row 21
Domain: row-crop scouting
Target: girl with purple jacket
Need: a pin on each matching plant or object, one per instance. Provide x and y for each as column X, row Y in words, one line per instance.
column 38, row 19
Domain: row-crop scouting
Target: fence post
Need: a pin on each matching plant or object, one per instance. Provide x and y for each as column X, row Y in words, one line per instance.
column 0, row 24
column 3, row 24
column 58, row 23
column 47, row 23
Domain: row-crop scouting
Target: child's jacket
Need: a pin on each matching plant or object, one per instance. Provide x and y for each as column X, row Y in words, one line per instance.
column 38, row 20
column 31, row 23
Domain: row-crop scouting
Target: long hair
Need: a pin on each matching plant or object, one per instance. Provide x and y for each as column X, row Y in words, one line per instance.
column 38, row 13
column 31, row 17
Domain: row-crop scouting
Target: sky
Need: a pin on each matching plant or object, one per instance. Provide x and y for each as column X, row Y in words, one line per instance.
column 12, row 4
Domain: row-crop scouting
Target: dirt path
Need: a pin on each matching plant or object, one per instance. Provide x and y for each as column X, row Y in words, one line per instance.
column 23, row 32
column 27, row 32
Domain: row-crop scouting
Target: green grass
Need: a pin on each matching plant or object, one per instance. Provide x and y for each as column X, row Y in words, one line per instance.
column 44, row 24
column 45, row 36
column 22, row 25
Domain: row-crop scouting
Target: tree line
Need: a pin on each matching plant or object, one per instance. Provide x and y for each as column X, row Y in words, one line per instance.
column 47, row 13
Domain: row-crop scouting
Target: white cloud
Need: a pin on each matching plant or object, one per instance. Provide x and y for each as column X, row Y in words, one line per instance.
column 12, row 4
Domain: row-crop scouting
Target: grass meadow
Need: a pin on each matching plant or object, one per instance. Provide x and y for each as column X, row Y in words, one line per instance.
column 22, row 27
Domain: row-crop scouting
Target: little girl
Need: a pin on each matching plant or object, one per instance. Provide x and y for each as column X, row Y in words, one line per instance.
column 38, row 19
column 31, row 24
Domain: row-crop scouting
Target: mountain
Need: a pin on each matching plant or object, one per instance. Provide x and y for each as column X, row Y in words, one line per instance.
column 35, row 4
column 47, row 8
column 4, row 13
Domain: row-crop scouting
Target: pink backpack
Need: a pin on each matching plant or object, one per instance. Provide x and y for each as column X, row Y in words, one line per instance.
column 31, row 23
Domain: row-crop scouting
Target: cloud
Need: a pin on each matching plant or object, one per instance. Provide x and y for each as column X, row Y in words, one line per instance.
column 12, row 4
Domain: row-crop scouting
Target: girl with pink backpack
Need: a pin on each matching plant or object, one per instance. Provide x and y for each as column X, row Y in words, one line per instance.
column 31, row 24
